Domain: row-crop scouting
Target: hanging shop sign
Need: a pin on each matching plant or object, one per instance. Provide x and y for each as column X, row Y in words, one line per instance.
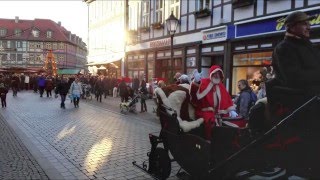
column 160, row 43
column 214, row 35
column 270, row 25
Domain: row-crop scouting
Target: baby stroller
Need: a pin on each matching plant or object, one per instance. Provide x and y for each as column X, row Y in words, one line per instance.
column 86, row 89
column 129, row 106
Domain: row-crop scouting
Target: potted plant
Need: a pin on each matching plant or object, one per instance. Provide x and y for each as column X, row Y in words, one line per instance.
column 157, row 25
column 202, row 13
column 144, row 28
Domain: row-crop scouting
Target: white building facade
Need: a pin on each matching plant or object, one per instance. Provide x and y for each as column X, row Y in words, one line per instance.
column 238, row 35
column 106, row 39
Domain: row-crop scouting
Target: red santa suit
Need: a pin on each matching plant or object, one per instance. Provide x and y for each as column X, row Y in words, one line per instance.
column 210, row 99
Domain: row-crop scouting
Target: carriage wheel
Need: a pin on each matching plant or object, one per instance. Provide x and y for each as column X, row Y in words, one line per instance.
column 160, row 163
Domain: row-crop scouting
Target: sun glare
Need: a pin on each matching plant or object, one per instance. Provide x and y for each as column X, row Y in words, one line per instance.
column 98, row 154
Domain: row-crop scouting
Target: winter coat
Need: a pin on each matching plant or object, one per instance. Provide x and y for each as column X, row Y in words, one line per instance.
column 41, row 82
column 75, row 88
column 62, row 88
column 297, row 64
column 49, row 85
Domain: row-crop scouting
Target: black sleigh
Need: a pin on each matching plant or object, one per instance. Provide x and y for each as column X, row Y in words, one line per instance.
column 281, row 140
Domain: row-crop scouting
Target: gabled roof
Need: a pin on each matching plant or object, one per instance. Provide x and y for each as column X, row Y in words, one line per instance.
column 59, row 33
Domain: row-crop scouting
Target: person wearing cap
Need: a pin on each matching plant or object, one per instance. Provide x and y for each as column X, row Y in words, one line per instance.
column 295, row 61
column 296, row 65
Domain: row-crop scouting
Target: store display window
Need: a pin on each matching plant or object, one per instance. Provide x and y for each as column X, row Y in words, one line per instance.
column 253, row 67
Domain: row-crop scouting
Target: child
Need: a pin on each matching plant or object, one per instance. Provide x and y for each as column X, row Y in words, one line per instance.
column 3, row 94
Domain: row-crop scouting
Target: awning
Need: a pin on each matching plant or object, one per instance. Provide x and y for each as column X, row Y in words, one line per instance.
column 69, row 71
column 104, row 63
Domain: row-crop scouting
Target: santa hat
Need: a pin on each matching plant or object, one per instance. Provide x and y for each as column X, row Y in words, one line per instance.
column 206, row 84
column 214, row 69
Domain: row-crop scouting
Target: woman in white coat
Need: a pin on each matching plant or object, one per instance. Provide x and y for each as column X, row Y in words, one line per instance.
column 76, row 91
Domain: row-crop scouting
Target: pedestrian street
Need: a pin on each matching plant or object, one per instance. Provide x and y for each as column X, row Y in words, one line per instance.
column 80, row 143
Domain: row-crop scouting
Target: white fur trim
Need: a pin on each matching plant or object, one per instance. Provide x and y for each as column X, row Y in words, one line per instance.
column 205, row 92
column 186, row 126
column 218, row 69
column 163, row 97
column 176, row 99
column 187, row 86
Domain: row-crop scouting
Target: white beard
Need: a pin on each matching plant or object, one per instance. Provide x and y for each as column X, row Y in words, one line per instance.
column 215, row 80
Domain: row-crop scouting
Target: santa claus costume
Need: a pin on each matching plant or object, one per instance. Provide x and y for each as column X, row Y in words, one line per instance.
column 210, row 98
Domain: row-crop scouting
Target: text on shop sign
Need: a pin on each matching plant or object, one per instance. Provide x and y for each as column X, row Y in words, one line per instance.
column 160, row 43
column 214, row 35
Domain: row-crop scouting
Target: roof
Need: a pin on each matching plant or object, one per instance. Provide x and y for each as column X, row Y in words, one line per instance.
column 69, row 71
column 59, row 33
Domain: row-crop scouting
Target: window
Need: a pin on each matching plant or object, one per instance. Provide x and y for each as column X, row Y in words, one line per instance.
column 38, row 45
column 18, row 44
column 49, row 34
column 61, row 46
column 17, row 32
column 48, row 46
column 3, row 32
column 159, row 11
column 175, row 8
column 202, row 4
column 54, row 46
column 249, row 66
column 19, row 57
column 35, row 33
column 145, row 13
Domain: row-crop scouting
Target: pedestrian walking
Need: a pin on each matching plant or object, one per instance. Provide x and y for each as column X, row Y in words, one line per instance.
column 75, row 91
column 3, row 92
column 62, row 89
column 49, row 86
column 41, row 84
column 144, row 96
column 123, row 91
column 99, row 88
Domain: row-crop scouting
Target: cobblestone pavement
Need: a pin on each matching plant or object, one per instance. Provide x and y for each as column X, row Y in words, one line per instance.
column 93, row 141
column 16, row 162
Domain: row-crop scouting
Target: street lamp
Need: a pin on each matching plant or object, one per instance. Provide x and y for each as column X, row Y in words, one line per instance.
column 172, row 24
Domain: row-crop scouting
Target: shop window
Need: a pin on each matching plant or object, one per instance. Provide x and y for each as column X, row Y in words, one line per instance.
column 177, row 63
column 260, row 58
column 191, row 61
column 250, row 66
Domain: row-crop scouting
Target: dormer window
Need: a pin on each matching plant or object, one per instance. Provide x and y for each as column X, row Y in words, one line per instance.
column 3, row 32
column 35, row 33
column 17, row 32
column 49, row 34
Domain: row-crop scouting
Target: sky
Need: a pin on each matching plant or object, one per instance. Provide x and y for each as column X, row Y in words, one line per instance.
column 73, row 14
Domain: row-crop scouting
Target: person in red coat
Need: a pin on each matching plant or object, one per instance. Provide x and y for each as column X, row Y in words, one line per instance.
column 211, row 97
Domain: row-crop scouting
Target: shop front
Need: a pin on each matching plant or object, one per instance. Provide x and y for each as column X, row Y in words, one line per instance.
column 252, row 47
column 154, row 61
column 106, row 68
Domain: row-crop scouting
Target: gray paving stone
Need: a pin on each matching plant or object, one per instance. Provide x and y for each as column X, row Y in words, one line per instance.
column 91, row 139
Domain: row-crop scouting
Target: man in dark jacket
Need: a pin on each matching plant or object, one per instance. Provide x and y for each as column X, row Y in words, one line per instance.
column 295, row 61
column 62, row 89
column 297, row 65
